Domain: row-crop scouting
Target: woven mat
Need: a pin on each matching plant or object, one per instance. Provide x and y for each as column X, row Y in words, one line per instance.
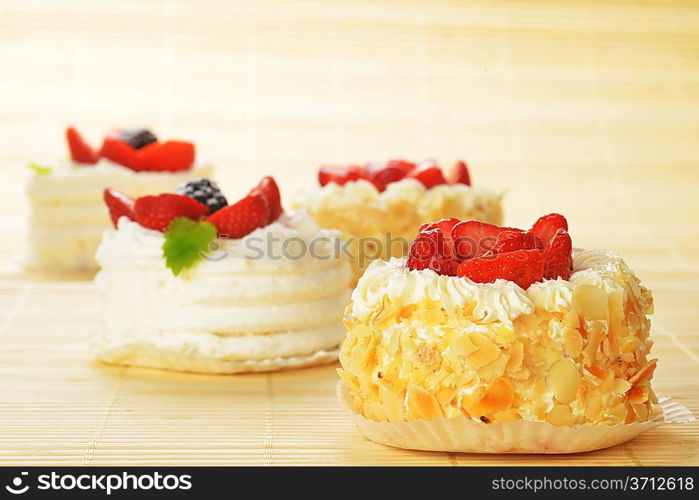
column 587, row 110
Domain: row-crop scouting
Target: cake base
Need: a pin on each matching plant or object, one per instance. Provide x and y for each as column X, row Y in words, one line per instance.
column 164, row 360
column 464, row 435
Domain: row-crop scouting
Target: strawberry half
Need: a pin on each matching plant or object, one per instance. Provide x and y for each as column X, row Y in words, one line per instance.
column 270, row 192
column 241, row 218
column 473, row 238
column 509, row 241
column 546, row 227
column 430, row 175
column 340, row 175
column 446, row 226
column 459, row 174
column 382, row 175
column 156, row 212
column 119, row 205
column 121, row 152
column 431, row 251
column 523, row 267
column 170, row 156
column 558, row 256
column 80, row 150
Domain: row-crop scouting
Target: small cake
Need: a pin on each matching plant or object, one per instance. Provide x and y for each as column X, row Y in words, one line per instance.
column 490, row 325
column 379, row 207
column 67, row 215
column 190, row 283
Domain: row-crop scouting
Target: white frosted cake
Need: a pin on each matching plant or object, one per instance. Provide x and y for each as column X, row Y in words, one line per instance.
column 254, row 302
column 67, row 214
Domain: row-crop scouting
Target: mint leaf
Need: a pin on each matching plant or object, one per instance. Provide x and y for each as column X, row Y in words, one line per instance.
column 40, row 169
column 185, row 240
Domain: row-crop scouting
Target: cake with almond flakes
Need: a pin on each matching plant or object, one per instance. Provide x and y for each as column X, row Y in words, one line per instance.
column 499, row 325
column 378, row 207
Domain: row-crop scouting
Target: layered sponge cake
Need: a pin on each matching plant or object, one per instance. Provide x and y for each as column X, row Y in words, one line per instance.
column 67, row 215
column 378, row 207
column 500, row 325
column 217, row 288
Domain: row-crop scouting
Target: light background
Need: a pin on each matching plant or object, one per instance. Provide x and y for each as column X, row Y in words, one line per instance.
column 587, row 108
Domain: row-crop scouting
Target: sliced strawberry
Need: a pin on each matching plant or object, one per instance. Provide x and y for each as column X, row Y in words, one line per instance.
column 80, row 150
column 523, row 267
column 241, row 218
column 430, row 175
column 170, row 156
column 546, row 227
column 156, row 212
column 446, row 226
column 120, row 152
column 270, row 192
column 385, row 174
column 119, row 205
column 340, row 175
column 430, row 251
column 509, row 241
column 459, row 174
column 558, row 256
column 473, row 238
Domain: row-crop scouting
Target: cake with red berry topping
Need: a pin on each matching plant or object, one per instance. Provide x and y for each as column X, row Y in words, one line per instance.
column 189, row 282
column 494, row 325
column 67, row 215
column 379, row 207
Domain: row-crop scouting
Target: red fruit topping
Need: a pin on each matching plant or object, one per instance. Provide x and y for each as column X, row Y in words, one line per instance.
column 558, row 256
column 156, row 212
column 170, row 156
column 473, row 238
column 405, row 166
column 430, row 251
column 546, row 227
column 119, row 204
column 524, row 267
column 120, row 152
column 381, row 175
column 446, row 226
column 509, row 241
column 241, row 218
column 430, row 175
column 270, row 192
column 459, row 174
column 340, row 175
column 80, row 150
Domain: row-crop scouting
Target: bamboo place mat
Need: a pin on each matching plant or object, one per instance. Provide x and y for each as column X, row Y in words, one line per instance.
column 586, row 108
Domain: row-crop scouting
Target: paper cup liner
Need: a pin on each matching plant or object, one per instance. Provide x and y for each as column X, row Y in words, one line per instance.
column 464, row 435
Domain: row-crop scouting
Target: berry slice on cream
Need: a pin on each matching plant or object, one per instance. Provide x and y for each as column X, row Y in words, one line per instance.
column 67, row 217
column 190, row 282
column 378, row 207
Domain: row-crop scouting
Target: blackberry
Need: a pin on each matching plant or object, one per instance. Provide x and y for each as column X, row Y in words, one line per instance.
column 206, row 192
column 137, row 137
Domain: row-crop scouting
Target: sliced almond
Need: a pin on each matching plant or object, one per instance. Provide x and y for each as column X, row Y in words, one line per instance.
column 487, row 351
column 422, row 404
column 590, row 302
column 560, row 415
column 563, row 380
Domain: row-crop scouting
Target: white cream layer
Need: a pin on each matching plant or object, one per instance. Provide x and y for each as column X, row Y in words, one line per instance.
column 502, row 300
column 68, row 214
column 245, row 302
